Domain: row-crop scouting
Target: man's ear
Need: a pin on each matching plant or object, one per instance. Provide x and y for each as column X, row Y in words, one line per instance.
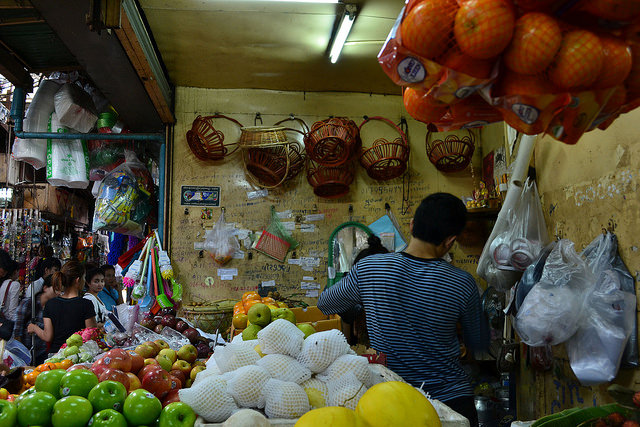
column 448, row 242
column 411, row 226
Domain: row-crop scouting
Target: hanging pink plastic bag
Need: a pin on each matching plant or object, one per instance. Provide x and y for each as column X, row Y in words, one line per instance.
column 221, row 242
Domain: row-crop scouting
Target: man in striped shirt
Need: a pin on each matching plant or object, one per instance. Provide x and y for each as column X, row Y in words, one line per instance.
column 413, row 301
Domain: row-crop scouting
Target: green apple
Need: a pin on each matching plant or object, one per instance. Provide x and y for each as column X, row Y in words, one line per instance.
column 251, row 332
column 49, row 381
column 108, row 418
column 141, row 407
column 182, row 366
column 74, row 340
column 171, row 354
column 78, row 383
column 285, row 313
column 70, row 351
column 195, row 371
column 161, row 344
column 164, row 362
column 188, row 353
column 108, row 395
column 177, row 414
column 8, row 413
column 24, row 394
column 306, row 328
column 35, row 409
column 71, row 411
column 145, row 350
column 259, row 314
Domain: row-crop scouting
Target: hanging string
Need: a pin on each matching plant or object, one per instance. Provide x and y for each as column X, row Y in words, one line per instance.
column 406, row 178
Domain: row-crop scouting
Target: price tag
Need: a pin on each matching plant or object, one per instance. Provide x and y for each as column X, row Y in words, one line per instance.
column 315, row 217
column 226, row 277
column 252, row 195
column 307, row 228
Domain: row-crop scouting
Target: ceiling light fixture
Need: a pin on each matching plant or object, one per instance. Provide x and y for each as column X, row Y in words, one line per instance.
column 303, row 1
column 340, row 37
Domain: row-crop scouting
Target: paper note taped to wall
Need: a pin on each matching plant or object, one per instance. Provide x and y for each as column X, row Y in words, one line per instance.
column 309, row 285
column 307, row 228
column 226, row 277
column 314, row 217
column 289, row 225
column 294, row 261
column 312, row 294
column 268, row 283
column 251, row 195
column 284, row 214
column 227, row 272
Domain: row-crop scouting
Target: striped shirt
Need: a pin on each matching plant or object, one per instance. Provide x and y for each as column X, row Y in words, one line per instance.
column 412, row 306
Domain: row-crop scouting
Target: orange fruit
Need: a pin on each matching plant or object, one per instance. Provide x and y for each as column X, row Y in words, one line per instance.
column 578, row 61
column 249, row 303
column 425, row 29
column 268, row 300
column 615, row 10
column 483, row 28
column 421, row 107
column 31, row 377
column 617, row 63
column 521, row 84
column 65, row 364
column 250, row 295
column 44, row 367
column 240, row 321
column 458, row 61
column 238, row 308
column 536, row 40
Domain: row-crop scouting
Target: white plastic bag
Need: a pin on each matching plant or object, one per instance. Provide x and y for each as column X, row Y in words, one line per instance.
column 67, row 159
column 517, row 243
column 552, row 311
column 75, row 108
column 34, row 151
column 221, row 242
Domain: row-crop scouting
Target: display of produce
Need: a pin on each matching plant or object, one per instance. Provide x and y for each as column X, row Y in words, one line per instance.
column 562, row 68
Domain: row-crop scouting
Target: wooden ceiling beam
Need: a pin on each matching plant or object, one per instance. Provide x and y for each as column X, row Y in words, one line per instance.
column 14, row 71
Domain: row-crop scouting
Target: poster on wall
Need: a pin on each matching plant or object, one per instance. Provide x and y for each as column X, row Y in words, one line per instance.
column 194, row 195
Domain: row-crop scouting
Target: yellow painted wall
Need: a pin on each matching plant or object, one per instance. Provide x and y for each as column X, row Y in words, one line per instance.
column 585, row 188
column 366, row 196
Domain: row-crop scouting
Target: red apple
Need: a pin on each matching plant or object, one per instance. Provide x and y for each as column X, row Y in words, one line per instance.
column 180, row 375
column 80, row 366
column 157, row 382
column 118, row 359
column 134, row 382
column 192, row 334
column 158, row 329
column 181, row 326
column 115, row 375
column 137, row 361
column 171, row 397
column 176, row 383
column 157, row 319
column 148, row 368
column 169, row 321
column 98, row 367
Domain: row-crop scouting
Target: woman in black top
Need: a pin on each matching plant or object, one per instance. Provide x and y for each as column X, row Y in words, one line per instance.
column 68, row 313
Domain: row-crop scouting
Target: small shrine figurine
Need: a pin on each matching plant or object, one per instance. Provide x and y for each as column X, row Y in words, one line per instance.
column 480, row 197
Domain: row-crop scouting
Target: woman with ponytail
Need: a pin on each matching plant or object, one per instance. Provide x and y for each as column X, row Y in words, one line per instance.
column 67, row 313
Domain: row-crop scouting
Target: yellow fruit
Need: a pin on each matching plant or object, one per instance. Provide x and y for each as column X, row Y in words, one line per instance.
column 273, row 307
column 259, row 350
column 240, row 321
column 316, row 397
column 395, row 403
column 282, row 304
column 334, row 416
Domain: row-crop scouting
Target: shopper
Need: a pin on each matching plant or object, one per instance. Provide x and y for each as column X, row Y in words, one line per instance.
column 24, row 318
column 67, row 313
column 10, row 288
column 45, row 268
column 95, row 284
column 111, row 295
column 413, row 301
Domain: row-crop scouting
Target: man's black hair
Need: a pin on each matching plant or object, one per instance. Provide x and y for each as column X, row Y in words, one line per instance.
column 45, row 263
column 440, row 215
column 106, row 267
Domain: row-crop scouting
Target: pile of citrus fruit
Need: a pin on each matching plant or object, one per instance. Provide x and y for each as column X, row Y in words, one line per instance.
column 249, row 299
column 30, row 375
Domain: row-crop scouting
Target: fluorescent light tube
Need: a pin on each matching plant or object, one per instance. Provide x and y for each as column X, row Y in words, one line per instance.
column 341, row 37
column 302, row 1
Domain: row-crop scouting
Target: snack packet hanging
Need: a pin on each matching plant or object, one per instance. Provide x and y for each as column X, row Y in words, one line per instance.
column 221, row 242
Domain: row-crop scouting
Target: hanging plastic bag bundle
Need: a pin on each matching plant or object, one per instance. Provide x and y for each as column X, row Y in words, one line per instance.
column 123, row 199
column 221, row 242
column 34, row 151
column 67, row 160
column 75, row 108
column 276, row 241
column 517, row 244
column 553, row 310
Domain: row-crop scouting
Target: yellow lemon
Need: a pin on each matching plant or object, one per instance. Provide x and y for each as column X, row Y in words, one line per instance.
column 240, row 321
column 259, row 350
column 334, row 416
column 395, row 403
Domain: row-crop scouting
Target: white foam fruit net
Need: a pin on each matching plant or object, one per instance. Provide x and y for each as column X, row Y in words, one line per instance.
column 321, row 349
column 209, row 399
column 284, row 399
column 235, row 355
column 246, row 386
column 357, row 365
column 345, row 391
column 281, row 337
column 285, row 368
column 317, row 392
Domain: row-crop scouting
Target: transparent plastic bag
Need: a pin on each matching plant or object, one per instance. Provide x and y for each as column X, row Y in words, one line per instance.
column 517, row 243
column 221, row 242
column 531, row 276
column 552, row 311
column 123, row 204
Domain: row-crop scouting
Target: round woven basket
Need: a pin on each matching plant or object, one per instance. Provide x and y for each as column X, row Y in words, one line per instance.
column 385, row 159
column 218, row 316
column 330, row 182
column 206, row 142
column 261, row 136
column 332, row 142
column 451, row 154
column 269, row 167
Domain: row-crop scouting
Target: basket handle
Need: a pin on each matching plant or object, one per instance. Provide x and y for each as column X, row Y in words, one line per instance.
column 389, row 122
column 220, row 116
column 256, row 181
column 303, row 124
column 431, row 128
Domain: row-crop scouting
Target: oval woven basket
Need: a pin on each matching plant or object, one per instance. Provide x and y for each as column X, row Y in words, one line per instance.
column 206, row 142
column 330, row 182
column 262, row 136
column 451, row 154
column 209, row 318
column 332, row 142
column 385, row 159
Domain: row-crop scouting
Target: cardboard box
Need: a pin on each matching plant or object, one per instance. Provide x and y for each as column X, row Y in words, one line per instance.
column 319, row 320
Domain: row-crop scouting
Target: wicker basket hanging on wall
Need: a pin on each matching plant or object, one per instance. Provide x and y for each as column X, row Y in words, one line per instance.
column 206, row 142
column 385, row 159
column 330, row 182
column 451, row 154
column 333, row 141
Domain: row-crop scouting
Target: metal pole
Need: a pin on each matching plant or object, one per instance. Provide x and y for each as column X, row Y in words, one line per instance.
column 161, row 189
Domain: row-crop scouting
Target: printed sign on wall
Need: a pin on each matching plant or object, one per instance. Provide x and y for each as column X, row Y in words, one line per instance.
column 193, row 195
